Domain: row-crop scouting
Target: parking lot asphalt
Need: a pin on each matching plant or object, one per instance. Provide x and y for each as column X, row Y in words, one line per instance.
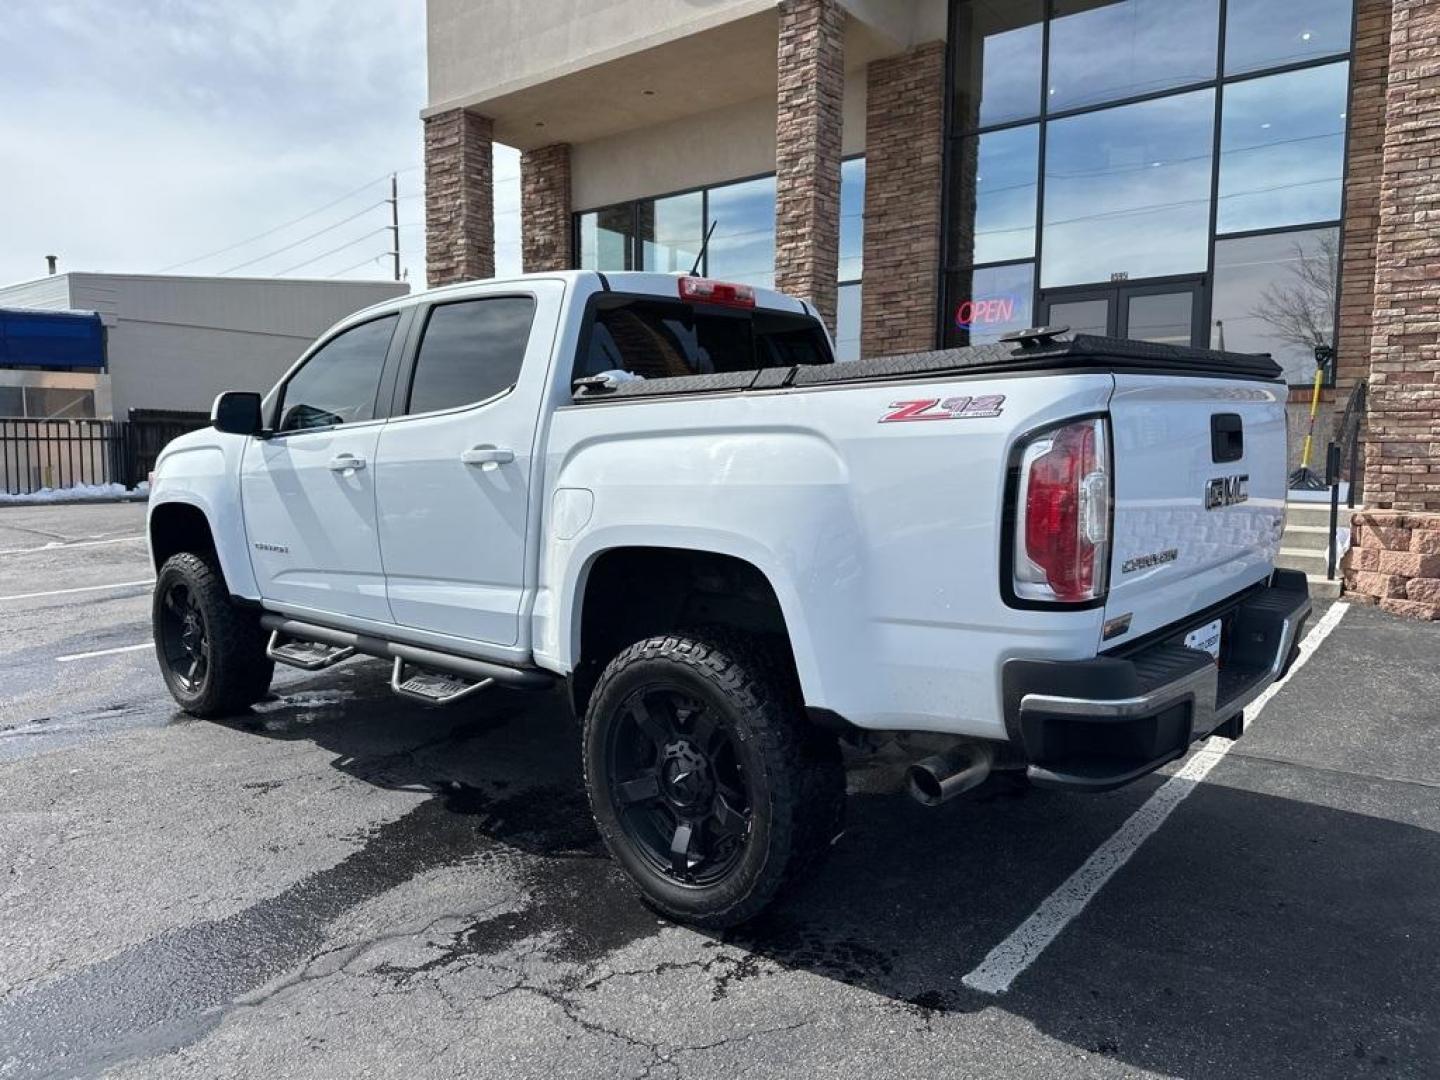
column 342, row 883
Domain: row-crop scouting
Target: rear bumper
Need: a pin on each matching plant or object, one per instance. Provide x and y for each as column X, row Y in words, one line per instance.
column 1093, row 725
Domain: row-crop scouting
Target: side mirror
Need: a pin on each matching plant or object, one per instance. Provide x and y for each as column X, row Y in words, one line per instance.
column 237, row 412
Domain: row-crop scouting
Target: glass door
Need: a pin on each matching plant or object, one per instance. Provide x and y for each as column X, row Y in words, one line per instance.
column 1167, row 313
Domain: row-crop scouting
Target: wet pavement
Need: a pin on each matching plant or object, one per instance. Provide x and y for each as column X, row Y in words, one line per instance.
column 342, row 883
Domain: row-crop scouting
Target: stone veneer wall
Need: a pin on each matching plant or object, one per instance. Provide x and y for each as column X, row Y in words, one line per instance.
column 904, row 149
column 1394, row 562
column 545, row 233
column 810, row 92
column 459, row 197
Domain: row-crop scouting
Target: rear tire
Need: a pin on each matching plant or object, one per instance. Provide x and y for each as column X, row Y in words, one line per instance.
column 707, row 784
column 211, row 652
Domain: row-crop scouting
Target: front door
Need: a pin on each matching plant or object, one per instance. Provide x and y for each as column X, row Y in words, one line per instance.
column 456, row 463
column 1167, row 313
column 308, row 490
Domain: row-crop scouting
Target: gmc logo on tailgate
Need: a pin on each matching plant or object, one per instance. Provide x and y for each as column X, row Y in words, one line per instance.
column 1226, row 491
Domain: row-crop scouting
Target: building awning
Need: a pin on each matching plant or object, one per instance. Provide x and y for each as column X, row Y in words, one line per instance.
column 51, row 339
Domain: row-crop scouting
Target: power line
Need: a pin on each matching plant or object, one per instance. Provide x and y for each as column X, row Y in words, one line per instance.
column 362, row 262
column 303, row 239
column 333, row 251
column 286, row 225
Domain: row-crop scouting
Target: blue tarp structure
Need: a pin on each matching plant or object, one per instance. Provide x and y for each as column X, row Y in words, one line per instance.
column 65, row 339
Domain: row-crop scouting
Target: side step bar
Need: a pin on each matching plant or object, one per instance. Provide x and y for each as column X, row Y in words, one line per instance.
column 305, row 655
column 433, row 687
column 471, row 670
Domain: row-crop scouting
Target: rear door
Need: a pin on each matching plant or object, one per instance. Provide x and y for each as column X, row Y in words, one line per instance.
column 1199, row 494
column 457, row 460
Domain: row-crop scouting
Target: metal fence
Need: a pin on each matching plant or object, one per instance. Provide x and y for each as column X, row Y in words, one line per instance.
column 38, row 454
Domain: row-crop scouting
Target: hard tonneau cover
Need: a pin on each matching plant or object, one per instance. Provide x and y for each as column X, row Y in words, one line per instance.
column 1080, row 353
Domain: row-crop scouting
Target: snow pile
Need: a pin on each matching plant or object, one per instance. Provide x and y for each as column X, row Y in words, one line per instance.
column 78, row 493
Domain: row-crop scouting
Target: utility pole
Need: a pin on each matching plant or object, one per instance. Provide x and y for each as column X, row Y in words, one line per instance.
column 394, row 202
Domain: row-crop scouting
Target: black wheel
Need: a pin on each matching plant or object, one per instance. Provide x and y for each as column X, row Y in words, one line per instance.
column 707, row 784
column 211, row 653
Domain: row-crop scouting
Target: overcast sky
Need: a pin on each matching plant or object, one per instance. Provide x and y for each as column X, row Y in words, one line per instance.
column 138, row 135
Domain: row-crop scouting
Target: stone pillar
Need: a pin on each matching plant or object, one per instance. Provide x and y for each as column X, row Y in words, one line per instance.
column 811, row 89
column 459, row 197
column 904, row 148
column 1394, row 562
column 545, row 233
column 1402, row 458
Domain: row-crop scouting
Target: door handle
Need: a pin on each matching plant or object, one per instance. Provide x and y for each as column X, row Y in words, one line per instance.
column 346, row 463
column 488, row 455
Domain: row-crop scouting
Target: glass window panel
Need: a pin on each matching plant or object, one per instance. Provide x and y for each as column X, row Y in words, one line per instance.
column 998, row 46
column 852, row 218
column 1276, row 294
column 338, row 384
column 1081, row 316
column 470, row 352
column 1102, row 50
column 847, row 323
column 671, row 231
column 988, row 301
column 1127, row 191
column 12, row 401
column 59, row 403
column 742, row 248
column 1273, row 33
column 607, row 238
column 993, row 201
column 1164, row 318
column 1282, row 149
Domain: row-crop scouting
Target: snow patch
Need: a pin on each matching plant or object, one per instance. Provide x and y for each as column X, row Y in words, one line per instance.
column 78, row 493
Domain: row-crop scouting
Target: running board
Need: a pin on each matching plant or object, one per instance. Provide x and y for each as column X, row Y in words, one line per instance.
column 435, row 687
column 467, row 668
column 306, row 655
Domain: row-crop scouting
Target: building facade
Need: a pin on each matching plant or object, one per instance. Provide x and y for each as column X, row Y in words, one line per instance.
column 170, row 343
column 1252, row 174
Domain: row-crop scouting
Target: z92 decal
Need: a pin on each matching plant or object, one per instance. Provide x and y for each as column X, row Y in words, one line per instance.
column 953, row 408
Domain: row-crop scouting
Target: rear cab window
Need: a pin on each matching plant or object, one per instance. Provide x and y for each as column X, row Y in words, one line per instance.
column 655, row 338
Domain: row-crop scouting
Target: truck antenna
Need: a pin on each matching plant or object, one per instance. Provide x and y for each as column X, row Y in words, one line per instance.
column 704, row 244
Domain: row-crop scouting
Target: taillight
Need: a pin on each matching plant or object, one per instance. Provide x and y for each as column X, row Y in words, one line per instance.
column 699, row 290
column 1062, row 515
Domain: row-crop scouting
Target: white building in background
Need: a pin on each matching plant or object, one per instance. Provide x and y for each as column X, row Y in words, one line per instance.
column 174, row 342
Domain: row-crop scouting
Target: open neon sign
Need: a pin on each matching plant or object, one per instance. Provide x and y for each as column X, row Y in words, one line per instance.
column 985, row 311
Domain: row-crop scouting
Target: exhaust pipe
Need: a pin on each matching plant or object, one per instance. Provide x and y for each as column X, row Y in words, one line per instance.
column 936, row 779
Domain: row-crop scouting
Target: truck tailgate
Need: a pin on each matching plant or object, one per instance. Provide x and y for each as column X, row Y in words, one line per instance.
column 1199, row 495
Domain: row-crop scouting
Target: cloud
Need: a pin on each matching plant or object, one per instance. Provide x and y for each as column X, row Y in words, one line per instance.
column 141, row 135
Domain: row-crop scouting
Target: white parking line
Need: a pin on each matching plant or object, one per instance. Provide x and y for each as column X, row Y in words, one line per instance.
column 102, row 652
column 65, row 545
column 82, row 588
column 1017, row 952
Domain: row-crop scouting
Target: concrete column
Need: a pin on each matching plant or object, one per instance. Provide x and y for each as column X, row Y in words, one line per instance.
column 545, row 234
column 811, row 90
column 459, row 197
column 904, row 149
column 1402, row 459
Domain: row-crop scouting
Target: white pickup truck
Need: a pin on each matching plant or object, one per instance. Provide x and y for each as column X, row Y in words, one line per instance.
column 1050, row 555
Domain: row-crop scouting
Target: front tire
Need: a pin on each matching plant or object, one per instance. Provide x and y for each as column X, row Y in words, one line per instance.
column 707, row 784
column 211, row 652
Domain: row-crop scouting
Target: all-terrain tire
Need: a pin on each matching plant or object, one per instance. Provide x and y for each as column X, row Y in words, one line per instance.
column 236, row 673
column 792, row 771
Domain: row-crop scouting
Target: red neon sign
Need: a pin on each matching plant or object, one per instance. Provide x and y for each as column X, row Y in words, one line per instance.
column 984, row 311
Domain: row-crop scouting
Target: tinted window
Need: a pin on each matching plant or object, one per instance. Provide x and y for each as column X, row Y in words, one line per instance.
column 671, row 230
column 12, row 401
column 656, row 339
column 1127, row 191
column 1276, row 294
column 1101, row 50
column 470, row 351
column 1282, row 149
column 997, row 62
column 1272, row 33
column 339, row 382
column 994, row 198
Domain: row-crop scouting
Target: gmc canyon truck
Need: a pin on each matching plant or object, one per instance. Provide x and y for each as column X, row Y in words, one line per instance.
column 1051, row 555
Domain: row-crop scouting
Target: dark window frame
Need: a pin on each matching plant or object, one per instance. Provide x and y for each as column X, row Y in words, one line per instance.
column 955, row 134
column 405, row 385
